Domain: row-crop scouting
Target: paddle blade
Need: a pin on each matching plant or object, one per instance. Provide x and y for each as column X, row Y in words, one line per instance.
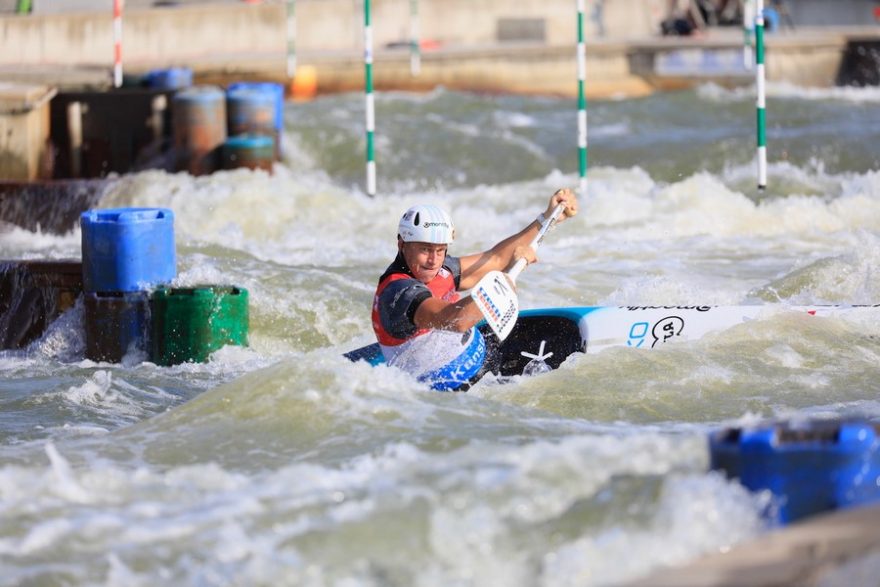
column 497, row 300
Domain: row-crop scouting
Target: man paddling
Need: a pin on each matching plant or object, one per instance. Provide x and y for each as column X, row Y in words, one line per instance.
column 421, row 322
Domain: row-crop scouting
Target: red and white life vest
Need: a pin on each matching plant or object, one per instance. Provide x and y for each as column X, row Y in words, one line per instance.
column 444, row 358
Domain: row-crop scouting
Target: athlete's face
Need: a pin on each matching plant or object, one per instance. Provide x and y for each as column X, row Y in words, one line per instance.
column 423, row 259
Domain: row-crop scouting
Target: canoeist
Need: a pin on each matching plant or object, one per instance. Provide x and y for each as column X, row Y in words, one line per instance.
column 421, row 322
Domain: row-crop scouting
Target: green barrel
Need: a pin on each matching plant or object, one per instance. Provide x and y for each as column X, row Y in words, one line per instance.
column 188, row 324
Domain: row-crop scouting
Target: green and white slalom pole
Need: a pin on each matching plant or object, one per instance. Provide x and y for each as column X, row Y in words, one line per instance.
column 291, row 38
column 748, row 32
column 582, row 101
column 762, row 102
column 370, row 105
column 415, row 53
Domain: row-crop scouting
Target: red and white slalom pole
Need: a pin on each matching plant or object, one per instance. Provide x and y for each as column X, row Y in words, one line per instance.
column 117, row 43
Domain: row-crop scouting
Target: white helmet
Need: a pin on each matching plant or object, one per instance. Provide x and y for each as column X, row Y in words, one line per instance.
column 425, row 223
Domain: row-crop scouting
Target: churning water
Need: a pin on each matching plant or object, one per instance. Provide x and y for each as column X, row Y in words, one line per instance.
column 285, row 464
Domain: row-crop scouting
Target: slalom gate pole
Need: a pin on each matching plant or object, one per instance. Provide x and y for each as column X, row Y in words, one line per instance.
column 582, row 101
column 291, row 38
column 371, row 117
column 761, row 102
column 748, row 33
column 117, row 43
column 415, row 54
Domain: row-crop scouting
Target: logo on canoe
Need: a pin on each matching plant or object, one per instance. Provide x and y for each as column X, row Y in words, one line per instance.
column 667, row 328
column 661, row 331
column 697, row 308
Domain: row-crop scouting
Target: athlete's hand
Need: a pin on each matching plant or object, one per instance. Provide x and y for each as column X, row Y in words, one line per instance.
column 562, row 196
column 524, row 252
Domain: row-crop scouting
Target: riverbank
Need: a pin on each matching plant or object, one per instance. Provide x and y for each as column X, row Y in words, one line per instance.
column 226, row 43
column 821, row 58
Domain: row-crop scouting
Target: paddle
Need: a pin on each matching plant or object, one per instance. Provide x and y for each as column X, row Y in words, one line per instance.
column 494, row 295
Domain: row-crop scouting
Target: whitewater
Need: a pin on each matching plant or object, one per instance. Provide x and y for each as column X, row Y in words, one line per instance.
column 282, row 463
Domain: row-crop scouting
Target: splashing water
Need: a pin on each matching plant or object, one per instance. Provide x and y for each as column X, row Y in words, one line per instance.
column 284, row 464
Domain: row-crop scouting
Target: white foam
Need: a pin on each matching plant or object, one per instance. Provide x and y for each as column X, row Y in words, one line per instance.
column 695, row 515
column 846, row 94
column 513, row 119
column 66, row 484
column 17, row 242
column 715, row 93
column 675, row 289
column 64, row 338
column 44, row 536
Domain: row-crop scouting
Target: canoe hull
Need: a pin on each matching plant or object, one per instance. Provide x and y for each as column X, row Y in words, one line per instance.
column 591, row 329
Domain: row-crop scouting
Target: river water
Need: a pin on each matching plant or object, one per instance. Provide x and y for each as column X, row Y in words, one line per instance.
column 284, row 464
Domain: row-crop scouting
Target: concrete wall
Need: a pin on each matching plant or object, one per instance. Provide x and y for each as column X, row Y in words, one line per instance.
column 332, row 25
column 836, row 12
column 157, row 37
column 184, row 34
column 171, row 35
column 223, row 42
column 58, row 6
column 521, row 69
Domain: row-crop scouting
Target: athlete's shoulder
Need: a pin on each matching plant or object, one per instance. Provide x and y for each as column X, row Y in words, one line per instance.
column 453, row 266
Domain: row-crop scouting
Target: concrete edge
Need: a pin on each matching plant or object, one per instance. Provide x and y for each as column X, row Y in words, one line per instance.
column 801, row 554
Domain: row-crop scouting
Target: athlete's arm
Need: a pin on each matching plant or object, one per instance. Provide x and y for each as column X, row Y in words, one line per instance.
column 406, row 305
column 504, row 254
column 458, row 316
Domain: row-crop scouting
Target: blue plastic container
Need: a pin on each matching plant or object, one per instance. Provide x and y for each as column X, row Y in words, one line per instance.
column 274, row 90
column 117, row 325
column 810, row 468
column 250, row 110
column 256, row 108
column 251, row 151
column 127, row 249
column 771, row 20
column 173, row 78
column 199, row 125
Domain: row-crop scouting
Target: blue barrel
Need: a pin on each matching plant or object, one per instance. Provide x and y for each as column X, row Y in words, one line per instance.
column 173, row 78
column 127, row 249
column 273, row 89
column 250, row 151
column 117, row 325
column 199, row 127
column 256, row 108
column 771, row 20
column 250, row 110
column 810, row 468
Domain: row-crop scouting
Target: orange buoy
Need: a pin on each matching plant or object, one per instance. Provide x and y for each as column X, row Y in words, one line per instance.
column 304, row 85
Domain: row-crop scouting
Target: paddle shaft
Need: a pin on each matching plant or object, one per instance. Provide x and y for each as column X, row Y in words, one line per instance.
column 545, row 226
